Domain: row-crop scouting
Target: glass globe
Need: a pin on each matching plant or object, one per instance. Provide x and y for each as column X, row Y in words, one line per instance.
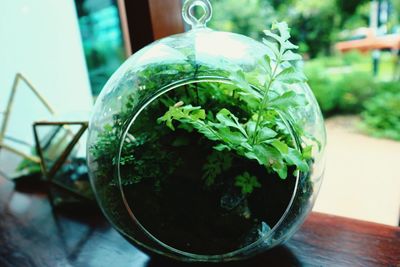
column 207, row 145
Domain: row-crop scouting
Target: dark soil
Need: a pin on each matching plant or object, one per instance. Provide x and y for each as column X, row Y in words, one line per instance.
column 192, row 217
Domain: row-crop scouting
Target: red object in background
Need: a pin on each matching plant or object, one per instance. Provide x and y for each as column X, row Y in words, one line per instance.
column 370, row 42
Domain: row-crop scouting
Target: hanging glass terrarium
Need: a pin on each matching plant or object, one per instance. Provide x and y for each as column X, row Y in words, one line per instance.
column 207, row 145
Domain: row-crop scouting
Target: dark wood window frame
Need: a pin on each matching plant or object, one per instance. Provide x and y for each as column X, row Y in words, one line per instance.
column 147, row 20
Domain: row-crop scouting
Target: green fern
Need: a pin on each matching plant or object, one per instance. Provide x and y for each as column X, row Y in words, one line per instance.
column 263, row 136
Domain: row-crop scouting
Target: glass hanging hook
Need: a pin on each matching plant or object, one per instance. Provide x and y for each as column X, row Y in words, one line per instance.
column 189, row 16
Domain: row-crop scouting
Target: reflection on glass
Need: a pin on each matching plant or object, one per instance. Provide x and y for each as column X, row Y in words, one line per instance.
column 102, row 39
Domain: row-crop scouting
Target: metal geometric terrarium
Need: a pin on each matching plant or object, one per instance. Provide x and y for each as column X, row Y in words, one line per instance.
column 207, row 145
column 56, row 145
column 19, row 144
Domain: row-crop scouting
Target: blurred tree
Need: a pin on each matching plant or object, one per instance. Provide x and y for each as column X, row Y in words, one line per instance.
column 348, row 8
column 360, row 18
column 248, row 17
column 277, row 4
column 314, row 34
column 315, row 24
column 394, row 20
column 396, row 6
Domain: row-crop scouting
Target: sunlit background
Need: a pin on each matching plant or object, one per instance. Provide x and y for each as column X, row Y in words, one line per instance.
column 352, row 61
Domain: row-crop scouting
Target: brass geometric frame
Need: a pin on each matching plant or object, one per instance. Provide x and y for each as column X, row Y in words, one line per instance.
column 18, row 78
column 47, row 174
column 50, row 174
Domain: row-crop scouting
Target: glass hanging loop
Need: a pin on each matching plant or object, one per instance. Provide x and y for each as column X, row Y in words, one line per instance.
column 189, row 16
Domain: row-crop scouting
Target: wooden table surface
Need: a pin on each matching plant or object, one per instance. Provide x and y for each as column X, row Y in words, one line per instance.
column 32, row 235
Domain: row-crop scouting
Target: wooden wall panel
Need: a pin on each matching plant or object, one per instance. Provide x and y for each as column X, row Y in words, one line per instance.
column 144, row 21
column 166, row 17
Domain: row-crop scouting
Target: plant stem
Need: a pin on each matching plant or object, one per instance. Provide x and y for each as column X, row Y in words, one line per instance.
column 261, row 107
column 196, row 85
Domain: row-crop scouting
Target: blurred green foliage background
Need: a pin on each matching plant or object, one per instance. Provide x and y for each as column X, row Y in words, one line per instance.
column 342, row 83
column 315, row 25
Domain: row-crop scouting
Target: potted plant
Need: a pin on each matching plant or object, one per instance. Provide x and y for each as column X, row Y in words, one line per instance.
column 206, row 151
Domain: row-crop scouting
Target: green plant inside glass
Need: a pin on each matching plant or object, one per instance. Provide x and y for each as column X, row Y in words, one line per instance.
column 209, row 165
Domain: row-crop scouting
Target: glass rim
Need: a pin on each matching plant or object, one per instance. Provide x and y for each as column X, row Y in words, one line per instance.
column 201, row 257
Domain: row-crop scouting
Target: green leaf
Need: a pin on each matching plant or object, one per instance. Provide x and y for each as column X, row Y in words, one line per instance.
column 290, row 56
column 247, row 182
column 228, row 119
column 248, row 93
column 265, row 64
column 222, row 147
column 108, row 128
column 287, row 100
column 261, row 134
column 250, row 127
column 266, row 155
column 199, row 114
column 178, row 112
column 282, row 147
column 283, row 29
column 206, row 131
column 266, row 134
column 216, row 164
column 273, row 46
column 280, row 168
column 224, row 116
column 294, row 157
column 288, row 45
column 307, row 152
column 252, row 155
column 228, row 136
column 246, row 145
column 291, row 75
column 273, row 36
column 239, row 79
